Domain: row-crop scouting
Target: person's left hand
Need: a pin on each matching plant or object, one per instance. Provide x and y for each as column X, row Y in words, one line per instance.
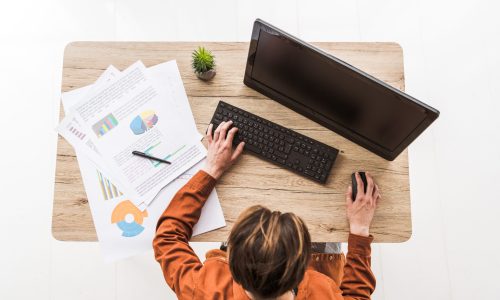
column 220, row 154
column 361, row 210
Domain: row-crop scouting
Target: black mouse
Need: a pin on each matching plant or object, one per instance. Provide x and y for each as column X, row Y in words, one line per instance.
column 355, row 184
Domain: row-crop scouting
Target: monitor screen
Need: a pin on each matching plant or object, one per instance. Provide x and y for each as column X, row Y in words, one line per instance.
column 334, row 91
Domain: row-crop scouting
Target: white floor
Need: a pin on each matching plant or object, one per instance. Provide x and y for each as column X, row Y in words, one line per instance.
column 451, row 51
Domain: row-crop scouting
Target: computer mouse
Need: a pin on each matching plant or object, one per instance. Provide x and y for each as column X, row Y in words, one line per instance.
column 355, row 183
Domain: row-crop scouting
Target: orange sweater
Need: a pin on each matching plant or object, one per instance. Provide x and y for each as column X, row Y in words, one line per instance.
column 330, row 276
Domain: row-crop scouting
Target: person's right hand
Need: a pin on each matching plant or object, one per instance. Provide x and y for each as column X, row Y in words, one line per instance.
column 220, row 154
column 360, row 211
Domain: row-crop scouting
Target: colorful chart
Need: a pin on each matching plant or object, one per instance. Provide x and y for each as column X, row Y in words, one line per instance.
column 104, row 125
column 143, row 122
column 119, row 217
column 108, row 189
column 77, row 133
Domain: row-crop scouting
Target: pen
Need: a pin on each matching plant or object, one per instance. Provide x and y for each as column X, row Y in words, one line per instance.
column 142, row 154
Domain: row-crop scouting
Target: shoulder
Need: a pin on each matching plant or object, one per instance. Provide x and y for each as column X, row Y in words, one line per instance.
column 316, row 285
column 214, row 277
column 216, row 262
column 216, row 254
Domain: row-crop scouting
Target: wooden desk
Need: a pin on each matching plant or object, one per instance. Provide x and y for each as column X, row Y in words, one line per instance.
column 251, row 181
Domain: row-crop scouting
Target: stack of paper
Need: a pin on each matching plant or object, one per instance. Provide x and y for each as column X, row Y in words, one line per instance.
column 144, row 109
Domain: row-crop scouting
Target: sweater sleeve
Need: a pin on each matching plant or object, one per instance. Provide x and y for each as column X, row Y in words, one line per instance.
column 358, row 282
column 179, row 263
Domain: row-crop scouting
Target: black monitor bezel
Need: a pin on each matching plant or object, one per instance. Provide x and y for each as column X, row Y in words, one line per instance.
column 431, row 113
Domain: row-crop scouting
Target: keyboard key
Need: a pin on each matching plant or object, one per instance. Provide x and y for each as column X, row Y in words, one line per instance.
column 281, row 155
column 253, row 148
column 287, row 149
column 309, row 172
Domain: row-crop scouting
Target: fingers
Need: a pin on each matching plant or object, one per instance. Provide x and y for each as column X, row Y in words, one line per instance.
column 217, row 132
column 348, row 196
column 209, row 133
column 224, row 129
column 376, row 190
column 376, row 194
column 360, row 186
column 370, row 186
column 230, row 136
column 237, row 152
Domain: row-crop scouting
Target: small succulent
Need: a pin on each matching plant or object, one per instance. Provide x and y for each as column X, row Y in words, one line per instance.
column 203, row 60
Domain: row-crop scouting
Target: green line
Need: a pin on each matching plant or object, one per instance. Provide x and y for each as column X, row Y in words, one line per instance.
column 175, row 152
column 152, row 147
column 170, row 155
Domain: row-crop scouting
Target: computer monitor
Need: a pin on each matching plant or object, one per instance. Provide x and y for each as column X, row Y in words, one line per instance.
column 333, row 93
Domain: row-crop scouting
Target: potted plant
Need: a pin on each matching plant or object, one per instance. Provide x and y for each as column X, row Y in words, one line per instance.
column 203, row 63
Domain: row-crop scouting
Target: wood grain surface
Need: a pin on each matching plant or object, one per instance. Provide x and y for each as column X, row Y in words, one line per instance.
column 252, row 180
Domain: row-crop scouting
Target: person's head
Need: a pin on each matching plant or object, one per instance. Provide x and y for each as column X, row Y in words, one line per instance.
column 268, row 251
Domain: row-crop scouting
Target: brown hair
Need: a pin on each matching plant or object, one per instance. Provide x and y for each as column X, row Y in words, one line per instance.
column 268, row 251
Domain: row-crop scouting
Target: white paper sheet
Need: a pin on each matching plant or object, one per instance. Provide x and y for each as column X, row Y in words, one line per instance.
column 168, row 78
column 75, row 133
column 168, row 81
column 130, row 113
column 124, row 230
column 104, row 197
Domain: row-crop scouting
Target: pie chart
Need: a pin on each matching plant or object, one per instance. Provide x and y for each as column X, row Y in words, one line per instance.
column 143, row 122
column 132, row 226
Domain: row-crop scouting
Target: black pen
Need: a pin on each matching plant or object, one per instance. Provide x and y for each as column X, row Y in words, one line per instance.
column 142, row 154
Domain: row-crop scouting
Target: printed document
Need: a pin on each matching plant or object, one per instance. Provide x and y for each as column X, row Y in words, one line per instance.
column 127, row 114
column 109, row 205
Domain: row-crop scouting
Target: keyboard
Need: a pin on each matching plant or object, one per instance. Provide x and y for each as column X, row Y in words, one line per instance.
column 277, row 144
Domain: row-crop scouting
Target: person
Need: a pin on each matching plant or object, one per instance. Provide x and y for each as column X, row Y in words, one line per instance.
column 269, row 254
